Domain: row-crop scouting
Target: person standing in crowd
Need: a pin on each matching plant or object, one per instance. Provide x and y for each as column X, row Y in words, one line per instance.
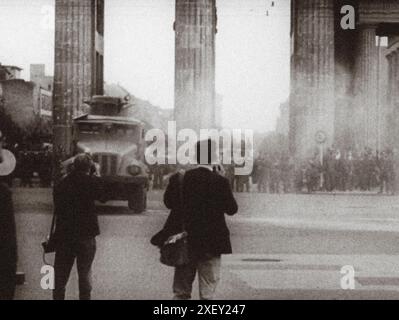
column 159, row 173
column 368, row 170
column 76, row 226
column 45, row 169
column 358, row 170
column 300, row 176
column 8, row 238
column 340, row 169
column 242, row 181
column 330, row 170
column 391, row 172
column 207, row 196
column 312, row 177
column 386, row 173
column 350, row 170
column 26, row 169
column 255, row 171
column 274, row 185
column 261, row 174
column 286, row 172
column 229, row 169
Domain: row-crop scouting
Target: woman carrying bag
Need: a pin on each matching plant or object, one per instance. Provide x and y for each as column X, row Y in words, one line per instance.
column 198, row 203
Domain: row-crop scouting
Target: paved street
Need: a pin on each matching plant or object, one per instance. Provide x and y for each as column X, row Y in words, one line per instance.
column 286, row 246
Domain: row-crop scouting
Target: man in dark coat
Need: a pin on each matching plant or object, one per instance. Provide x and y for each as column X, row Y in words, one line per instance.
column 76, row 226
column 8, row 240
column 206, row 197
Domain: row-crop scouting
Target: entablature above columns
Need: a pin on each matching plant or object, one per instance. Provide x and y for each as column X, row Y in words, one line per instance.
column 378, row 11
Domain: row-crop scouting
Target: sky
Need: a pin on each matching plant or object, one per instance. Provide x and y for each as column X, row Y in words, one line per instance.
column 252, row 51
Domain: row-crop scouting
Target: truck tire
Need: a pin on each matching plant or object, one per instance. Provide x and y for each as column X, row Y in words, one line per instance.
column 138, row 200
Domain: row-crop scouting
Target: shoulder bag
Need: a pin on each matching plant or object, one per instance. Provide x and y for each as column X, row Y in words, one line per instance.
column 174, row 252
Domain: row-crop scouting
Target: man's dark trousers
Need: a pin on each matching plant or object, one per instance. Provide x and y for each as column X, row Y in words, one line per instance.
column 83, row 251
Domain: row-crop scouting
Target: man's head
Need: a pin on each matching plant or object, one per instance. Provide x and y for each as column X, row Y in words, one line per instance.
column 82, row 163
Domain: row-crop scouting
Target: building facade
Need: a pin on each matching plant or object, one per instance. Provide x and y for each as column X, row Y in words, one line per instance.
column 28, row 105
column 38, row 76
column 9, row 72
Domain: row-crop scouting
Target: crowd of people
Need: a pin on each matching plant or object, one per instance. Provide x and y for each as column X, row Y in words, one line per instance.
column 335, row 171
column 272, row 172
column 34, row 164
column 280, row 173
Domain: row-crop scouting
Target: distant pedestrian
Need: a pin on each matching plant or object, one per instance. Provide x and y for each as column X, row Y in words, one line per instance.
column 330, row 170
column 76, row 226
column 286, row 172
column 350, row 170
column 159, row 173
column 26, row 169
column 207, row 196
column 229, row 174
column 264, row 173
column 341, row 174
column 45, row 169
column 386, row 173
column 8, row 239
column 368, row 170
column 242, row 181
column 312, row 177
column 275, row 176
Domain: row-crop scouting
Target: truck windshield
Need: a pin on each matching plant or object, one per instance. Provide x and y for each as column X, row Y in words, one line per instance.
column 121, row 132
column 90, row 128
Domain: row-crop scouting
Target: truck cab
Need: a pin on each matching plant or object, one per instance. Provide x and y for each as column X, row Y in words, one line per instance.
column 117, row 147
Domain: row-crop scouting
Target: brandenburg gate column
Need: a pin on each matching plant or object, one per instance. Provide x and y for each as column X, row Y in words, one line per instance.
column 366, row 86
column 195, row 32
column 78, row 69
column 312, row 101
column 393, row 93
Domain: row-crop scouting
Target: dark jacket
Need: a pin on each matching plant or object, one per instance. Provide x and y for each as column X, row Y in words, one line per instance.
column 74, row 206
column 207, row 197
column 8, row 244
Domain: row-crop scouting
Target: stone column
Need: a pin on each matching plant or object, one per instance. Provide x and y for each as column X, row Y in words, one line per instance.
column 195, row 29
column 394, row 86
column 393, row 97
column 312, row 105
column 77, row 49
column 366, row 86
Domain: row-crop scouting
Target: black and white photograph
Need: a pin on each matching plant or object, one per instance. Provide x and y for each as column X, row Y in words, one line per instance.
column 205, row 150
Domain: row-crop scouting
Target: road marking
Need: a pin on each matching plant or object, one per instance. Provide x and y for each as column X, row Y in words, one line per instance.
column 314, row 272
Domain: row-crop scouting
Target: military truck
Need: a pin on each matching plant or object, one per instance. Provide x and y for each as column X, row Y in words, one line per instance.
column 117, row 146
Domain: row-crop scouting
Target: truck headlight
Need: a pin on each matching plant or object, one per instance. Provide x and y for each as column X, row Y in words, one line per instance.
column 134, row 170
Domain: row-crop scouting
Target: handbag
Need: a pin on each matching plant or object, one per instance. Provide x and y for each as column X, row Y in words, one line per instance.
column 174, row 251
